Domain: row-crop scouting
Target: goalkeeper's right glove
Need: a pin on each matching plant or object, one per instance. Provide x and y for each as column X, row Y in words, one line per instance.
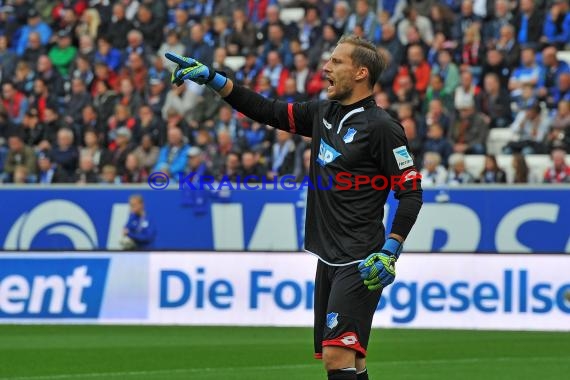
column 190, row 69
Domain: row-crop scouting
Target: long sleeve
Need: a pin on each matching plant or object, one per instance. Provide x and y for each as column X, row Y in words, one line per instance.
column 295, row 118
column 179, row 163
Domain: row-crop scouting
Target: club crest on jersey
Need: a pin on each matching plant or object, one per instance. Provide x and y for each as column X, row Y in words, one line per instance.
column 332, row 320
column 403, row 158
column 327, row 154
column 327, row 124
column 349, row 135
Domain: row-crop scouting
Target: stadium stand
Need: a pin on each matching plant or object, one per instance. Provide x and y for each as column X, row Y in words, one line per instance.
column 96, row 69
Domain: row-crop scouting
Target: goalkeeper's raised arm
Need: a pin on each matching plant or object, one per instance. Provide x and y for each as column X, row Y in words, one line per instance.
column 294, row 118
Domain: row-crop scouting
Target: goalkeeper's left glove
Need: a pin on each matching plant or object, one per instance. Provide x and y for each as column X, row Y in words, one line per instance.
column 190, row 69
column 379, row 269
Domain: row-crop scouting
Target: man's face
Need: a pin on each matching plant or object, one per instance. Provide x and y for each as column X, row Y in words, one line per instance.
column 275, row 34
column 436, row 107
column 506, row 33
column 443, row 58
column 558, row 159
column 282, row 136
column 388, row 32
column 7, row 91
column 248, row 160
column 436, row 82
column 339, row 11
column 500, row 8
column 88, row 114
column 225, row 114
column 194, row 161
column 86, row 163
column 33, row 21
column 494, row 57
column 290, row 86
column 135, row 61
column 220, row 55
column 300, row 62
column 466, row 79
column 44, row 164
column 415, row 55
column 77, row 86
column 232, row 162
column 34, row 41
column 174, row 136
column 118, row 11
column 340, row 73
column 362, row 7
column 63, row 140
column 136, row 206
column 549, row 56
column 273, row 14
column 490, row 84
column 467, row 8
column 459, row 167
column 527, row 57
column 15, row 144
column 272, row 59
column 196, row 33
column 527, row 5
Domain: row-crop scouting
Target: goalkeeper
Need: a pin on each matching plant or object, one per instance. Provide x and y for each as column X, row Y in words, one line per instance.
column 344, row 228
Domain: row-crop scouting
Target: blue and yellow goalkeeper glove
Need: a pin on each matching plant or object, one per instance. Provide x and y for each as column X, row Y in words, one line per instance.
column 190, row 69
column 379, row 269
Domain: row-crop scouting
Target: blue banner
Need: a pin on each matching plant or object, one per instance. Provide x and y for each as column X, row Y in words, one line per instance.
column 52, row 288
column 475, row 219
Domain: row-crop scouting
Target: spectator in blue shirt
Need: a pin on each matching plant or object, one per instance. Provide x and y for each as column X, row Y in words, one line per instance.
column 527, row 73
column 529, row 23
column 550, row 75
column 173, row 156
column 557, row 24
column 562, row 92
column 35, row 24
column 108, row 54
column 140, row 231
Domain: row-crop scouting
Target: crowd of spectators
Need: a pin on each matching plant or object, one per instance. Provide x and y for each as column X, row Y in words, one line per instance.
column 86, row 94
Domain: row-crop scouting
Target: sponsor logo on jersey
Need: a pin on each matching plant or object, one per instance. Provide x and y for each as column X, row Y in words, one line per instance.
column 349, row 340
column 332, row 320
column 410, row 175
column 327, row 154
column 403, row 158
column 349, row 136
column 327, row 124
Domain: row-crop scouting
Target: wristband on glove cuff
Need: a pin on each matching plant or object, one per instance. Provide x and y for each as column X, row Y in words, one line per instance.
column 393, row 246
column 216, row 81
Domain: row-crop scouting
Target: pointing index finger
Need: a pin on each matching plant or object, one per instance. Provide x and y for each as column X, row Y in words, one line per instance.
column 177, row 59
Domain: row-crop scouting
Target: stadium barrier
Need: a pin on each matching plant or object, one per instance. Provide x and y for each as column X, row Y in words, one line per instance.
column 458, row 219
column 505, row 292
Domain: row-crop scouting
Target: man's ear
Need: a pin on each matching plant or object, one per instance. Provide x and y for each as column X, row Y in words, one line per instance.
column 361, row 73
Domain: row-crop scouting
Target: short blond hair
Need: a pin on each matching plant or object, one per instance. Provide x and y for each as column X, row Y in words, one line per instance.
column 365, row 54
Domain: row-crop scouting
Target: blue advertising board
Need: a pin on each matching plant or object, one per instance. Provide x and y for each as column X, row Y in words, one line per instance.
column 475, row 219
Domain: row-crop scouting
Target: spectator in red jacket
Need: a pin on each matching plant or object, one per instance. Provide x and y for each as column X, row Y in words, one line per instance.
column 559, row 172
column 14, row 102
column 418, row 68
